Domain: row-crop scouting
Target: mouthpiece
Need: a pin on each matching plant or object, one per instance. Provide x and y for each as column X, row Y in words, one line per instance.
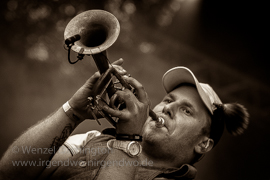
column 159, row 120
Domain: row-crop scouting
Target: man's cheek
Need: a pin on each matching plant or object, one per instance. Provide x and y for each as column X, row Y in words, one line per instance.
column 158, row 108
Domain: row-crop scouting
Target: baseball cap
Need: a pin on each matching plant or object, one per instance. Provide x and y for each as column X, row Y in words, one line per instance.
column 179, row 75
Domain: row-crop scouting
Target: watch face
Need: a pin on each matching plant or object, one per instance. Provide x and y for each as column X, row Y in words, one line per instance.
column 134, row 149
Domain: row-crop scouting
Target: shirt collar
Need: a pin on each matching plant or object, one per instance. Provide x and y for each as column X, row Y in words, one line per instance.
column 185, row 170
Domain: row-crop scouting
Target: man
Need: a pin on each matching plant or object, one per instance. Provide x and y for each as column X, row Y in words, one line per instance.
column 139, row 147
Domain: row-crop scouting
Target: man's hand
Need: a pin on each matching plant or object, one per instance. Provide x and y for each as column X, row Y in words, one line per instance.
column 80, row 102
column 134, row 115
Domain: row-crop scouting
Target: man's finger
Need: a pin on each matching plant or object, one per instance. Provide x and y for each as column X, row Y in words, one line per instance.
column 140, row 91
column 120, row 70
column 92, row 80
column 118, row 62
column 117, row 65
column 112, row 112
column 113, row 101
column 127, row 97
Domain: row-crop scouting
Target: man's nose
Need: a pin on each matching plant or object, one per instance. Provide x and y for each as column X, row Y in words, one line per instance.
column 168, row 110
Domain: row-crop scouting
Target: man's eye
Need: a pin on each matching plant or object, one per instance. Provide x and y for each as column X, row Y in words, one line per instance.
column 167, row 100
column 186, row 111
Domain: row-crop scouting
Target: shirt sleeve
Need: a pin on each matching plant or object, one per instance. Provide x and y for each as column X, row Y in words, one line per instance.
column 76, row 142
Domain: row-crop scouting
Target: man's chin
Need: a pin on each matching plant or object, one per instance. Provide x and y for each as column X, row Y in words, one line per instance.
column 153, row 134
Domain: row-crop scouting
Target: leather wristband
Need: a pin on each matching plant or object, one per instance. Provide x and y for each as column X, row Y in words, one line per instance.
column 128, row 137
column 71, row 113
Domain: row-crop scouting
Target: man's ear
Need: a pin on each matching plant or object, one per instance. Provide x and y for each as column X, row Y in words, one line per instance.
column 204, row 146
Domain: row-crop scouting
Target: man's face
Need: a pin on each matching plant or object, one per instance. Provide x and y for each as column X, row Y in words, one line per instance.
column 185, row 115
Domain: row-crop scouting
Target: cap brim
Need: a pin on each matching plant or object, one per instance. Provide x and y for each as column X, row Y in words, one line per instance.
column 179, row 75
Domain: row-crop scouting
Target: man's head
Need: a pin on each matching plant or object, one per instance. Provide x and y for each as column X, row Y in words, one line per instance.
column 194, row 119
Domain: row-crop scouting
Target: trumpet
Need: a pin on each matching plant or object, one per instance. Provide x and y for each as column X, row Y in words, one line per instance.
column 91, row 33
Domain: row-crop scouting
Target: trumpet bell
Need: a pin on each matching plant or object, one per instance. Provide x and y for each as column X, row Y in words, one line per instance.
column 98, row 30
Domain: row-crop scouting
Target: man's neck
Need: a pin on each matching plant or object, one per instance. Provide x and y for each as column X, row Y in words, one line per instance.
column 157, row 159
column 161, row 158
column 146, row 160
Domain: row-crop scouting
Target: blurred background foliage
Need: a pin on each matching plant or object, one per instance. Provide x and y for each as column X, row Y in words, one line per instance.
column 222, row 42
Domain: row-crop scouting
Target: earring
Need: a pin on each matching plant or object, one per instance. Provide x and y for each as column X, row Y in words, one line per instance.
column 207, row 145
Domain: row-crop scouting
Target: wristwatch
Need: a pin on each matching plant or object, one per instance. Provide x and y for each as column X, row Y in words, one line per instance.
column 132, row 148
